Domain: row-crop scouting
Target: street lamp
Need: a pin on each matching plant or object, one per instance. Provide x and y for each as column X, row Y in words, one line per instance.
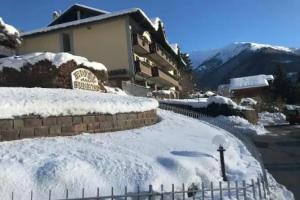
column 221, row 142
column 222, row 162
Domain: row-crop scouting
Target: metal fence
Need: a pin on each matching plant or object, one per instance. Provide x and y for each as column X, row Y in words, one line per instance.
column 253, row 189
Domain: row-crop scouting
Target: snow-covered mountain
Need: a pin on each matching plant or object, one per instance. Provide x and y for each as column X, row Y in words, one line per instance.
column 217, row 66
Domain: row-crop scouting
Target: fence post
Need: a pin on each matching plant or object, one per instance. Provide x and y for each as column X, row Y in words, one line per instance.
column 49, row 194
column 244, row 189
column 228, row 188
column 12, row 195
column 112, row 193
column 125, row 192
column 138, row 189
column 162, row 191
column 82, row 193
column 253, row 189
column 31, row 195
column 150, row 192
column 193, row 191
column 237, row 190
column 183, row 192
column 98, row 193
column 67, row 194
column 173, row 196
column 212, row 190
column 202, row 190
column 221, row 190
column 259, row 189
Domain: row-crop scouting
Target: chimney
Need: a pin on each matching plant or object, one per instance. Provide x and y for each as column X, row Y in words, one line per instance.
column 55, row 15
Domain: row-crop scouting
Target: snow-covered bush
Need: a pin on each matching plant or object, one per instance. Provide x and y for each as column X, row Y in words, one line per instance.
column 267, row 118
column 9, row 39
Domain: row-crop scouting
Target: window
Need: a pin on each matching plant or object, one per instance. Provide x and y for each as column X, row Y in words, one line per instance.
column 66, row 42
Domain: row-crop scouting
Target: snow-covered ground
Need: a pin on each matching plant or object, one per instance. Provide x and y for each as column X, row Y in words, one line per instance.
column 53, row 102
column 177, row 150
column 270, row 119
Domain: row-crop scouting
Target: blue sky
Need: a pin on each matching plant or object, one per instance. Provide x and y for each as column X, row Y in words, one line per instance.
column 194, row 24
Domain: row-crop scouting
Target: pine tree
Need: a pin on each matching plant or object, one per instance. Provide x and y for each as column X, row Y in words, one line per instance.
column 281, row 86
column 186, row 74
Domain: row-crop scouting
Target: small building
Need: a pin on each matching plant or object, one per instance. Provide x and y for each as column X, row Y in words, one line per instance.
column 250, row 86
column 133, row 47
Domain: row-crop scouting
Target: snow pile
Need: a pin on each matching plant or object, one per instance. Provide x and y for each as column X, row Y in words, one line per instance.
column 203, row 102
column 57, row 59
column 54, row 102
column 242, row 124
column 250, row 82
column 8, row 29
column 195, row 103
column 292, row 107
column 115, row 90
column 222, row 100
column 248, row 102
column 165, row 153
column 267, row 119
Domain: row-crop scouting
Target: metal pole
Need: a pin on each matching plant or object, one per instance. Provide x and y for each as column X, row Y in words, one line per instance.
column 222, row 162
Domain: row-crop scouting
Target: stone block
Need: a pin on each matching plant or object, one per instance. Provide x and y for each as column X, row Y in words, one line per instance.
column 88, row 119
column 93, row 126
column 41, row 131
column 55, row 130
column 49, row 121
column 32, row 122
column 100, row 118
column 77, row 119
column 9, row 134
column 64, row 121
column 18, row 123
column 79, row 128
column 26, row 132
column 6, row 124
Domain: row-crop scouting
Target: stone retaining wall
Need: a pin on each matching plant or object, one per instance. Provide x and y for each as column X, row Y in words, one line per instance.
column 35, row 126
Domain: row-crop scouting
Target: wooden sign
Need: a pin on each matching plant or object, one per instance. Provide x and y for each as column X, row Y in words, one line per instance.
column 85, row 80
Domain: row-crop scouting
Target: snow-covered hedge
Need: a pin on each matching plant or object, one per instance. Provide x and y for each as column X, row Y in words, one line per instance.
column 9, row 38
column 56, row 59
column 54, row 102
column 267, row 118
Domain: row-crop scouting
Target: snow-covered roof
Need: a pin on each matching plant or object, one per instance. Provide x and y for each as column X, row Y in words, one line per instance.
column 57, row 59
column 86, row 20
column 9, row 29
column 175, row 47
column 155, row 22
column 250, row 82
column 79, row 5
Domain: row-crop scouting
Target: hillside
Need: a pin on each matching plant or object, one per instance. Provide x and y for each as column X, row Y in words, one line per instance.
column 242, row 59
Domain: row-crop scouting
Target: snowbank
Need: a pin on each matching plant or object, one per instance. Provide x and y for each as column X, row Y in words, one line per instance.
column 203, row 102
column 53, row 102
column 115, row 90
column 242, row 124
column 57, row 59
column 250, row 82
column 165, row 153
column 268, row 119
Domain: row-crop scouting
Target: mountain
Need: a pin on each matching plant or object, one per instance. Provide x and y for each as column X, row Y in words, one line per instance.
column 216, row 67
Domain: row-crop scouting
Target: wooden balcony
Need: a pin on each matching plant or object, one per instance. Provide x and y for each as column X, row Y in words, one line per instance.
column 164, row 78
column 143, row 68
column 158, row 54
column 140, row 45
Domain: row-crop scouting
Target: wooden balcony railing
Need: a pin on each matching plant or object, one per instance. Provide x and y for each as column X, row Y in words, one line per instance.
column 164, row 78
column 161, row 56
column 141, row 45
column 143, row 68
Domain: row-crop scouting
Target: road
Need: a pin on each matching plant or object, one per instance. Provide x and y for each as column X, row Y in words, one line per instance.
column 281, row 155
